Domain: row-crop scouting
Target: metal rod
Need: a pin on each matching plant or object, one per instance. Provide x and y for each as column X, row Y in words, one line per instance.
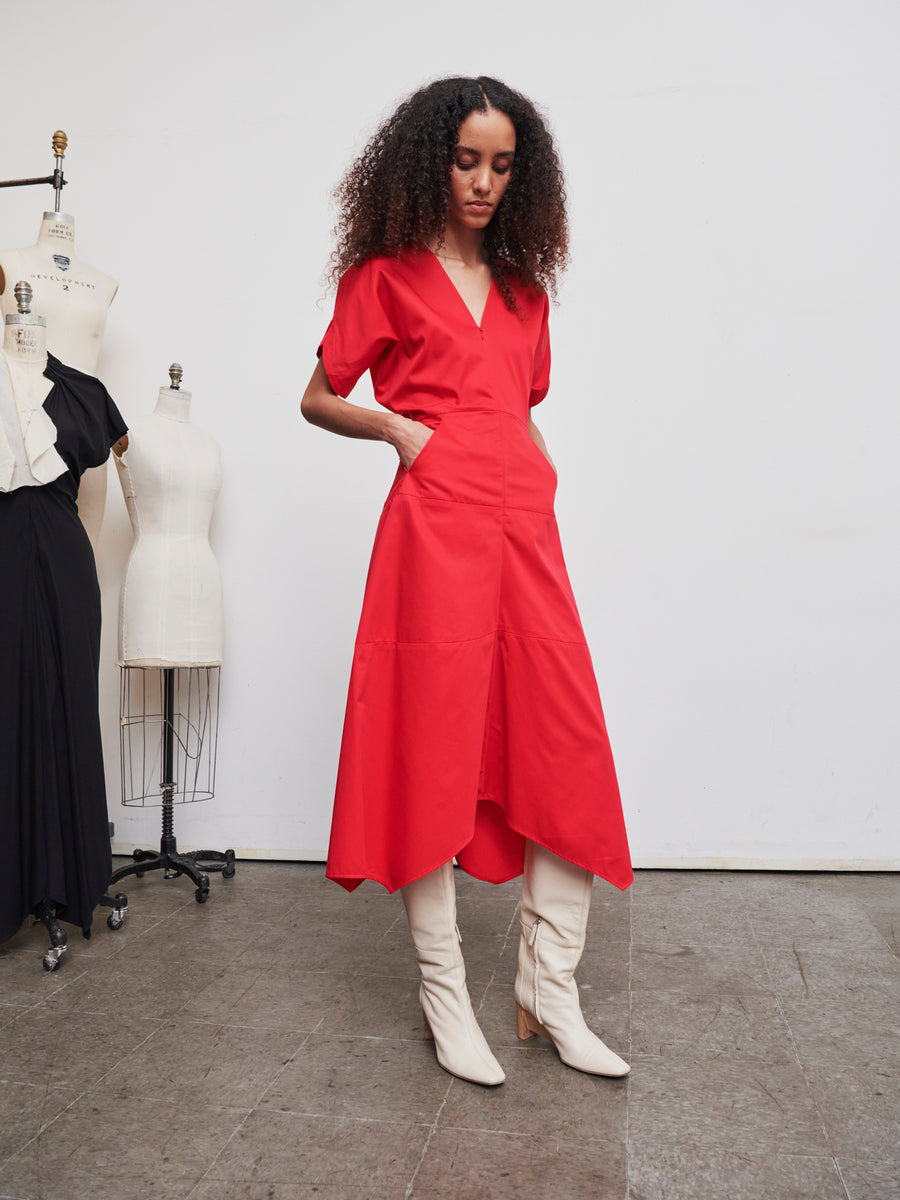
column 168, row 747
column 57, row 180
column 60, row 141
column 27, row 182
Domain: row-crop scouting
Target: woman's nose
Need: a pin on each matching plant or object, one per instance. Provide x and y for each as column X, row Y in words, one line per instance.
column 483, row 179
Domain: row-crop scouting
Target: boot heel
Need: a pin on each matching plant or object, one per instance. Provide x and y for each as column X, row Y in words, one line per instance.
column 522, row 1024
column 528, row 1026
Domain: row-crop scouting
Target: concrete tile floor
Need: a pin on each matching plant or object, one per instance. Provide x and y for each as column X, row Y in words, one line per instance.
column 267, row 1046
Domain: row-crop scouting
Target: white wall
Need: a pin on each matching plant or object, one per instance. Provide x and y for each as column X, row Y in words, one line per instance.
column 724, row 407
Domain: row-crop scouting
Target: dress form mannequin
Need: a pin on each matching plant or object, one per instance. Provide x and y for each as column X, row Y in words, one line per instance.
column 28, row 456
column 55, row 422
column 75, row 298
column 170, row 613
column 170, row 627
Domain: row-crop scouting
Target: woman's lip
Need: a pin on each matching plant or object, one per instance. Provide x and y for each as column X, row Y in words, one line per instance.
column 478, row 204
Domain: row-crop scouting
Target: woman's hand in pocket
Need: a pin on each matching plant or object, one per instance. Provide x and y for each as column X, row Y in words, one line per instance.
column 408, row 438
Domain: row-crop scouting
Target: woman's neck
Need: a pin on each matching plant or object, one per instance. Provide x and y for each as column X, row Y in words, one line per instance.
column 26, row 344
column 461, row 245
column 176, row 405
column 57, row 230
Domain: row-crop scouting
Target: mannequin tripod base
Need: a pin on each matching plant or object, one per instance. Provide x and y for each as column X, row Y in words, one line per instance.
column 196, row 866
column 187, row 698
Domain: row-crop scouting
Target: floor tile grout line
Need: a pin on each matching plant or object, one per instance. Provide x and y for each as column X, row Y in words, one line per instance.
column 840, row 1175
column 810, row 1090
column 221, row 1151
column 509, row 928
column 255, row 1108
column 284, row 1066
column 43, row 1000
column 490, row 982
column 390, row 929
column 431, row 1132
column 891, row 945
column 344, row 1118
column 81, row 1095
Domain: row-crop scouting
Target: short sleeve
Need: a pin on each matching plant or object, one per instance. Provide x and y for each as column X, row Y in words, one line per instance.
column 360, row 331
column 541, row 380
column 107, row 426
column 115, row 422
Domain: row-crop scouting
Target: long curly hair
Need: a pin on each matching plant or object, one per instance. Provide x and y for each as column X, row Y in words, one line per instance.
column 395, row 195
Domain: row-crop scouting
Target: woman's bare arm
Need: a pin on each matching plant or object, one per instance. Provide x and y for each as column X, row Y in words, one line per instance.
column 323, row 407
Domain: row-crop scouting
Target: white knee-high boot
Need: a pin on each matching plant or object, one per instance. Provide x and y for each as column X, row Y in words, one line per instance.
column 461, row 1047
column 556, row 900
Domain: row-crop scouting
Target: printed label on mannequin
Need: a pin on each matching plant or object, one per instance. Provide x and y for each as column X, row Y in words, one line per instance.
column 62, row 261
column 25, row 338
column 58, row 229
column 64, row 283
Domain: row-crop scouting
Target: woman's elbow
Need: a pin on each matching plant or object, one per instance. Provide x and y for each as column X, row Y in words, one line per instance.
column 313, row 404
column 318, row 395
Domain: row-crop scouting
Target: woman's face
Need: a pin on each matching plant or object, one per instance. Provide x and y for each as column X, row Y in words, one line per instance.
column 482, row 162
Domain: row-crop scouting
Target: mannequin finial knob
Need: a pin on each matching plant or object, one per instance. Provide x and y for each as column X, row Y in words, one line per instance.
column 23, row 293
column 175, row 374
column 60, row 141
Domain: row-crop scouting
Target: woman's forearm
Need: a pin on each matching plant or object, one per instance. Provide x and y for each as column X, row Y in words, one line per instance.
column 323, row 407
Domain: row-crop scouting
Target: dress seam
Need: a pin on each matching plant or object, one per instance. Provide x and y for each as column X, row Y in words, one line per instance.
column 542, row 512
column 494, row 633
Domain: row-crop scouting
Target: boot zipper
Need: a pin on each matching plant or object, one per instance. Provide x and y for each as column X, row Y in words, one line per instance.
column 532, row 942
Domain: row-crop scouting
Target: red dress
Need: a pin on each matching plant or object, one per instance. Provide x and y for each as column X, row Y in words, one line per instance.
column 473, row 720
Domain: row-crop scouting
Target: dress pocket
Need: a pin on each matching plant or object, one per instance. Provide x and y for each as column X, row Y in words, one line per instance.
column 537, row 452
column 416, row 467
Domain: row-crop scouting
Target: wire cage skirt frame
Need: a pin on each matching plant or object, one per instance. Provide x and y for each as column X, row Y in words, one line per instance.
column 168, row 734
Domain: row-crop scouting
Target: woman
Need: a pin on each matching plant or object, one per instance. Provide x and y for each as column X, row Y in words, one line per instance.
column 473, row 726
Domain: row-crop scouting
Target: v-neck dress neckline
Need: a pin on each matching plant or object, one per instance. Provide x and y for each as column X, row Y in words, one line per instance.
column 479, row 324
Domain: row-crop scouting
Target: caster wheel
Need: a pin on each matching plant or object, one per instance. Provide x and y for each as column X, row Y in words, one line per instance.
column 139, row 874
column 228, row 870
column 201, row 895
column 115, row 922
column 51, row 963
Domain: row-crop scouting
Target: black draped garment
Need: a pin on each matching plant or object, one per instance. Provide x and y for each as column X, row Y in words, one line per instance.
column 54, row 835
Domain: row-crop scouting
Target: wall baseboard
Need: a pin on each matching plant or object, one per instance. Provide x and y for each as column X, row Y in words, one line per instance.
column 649, row 863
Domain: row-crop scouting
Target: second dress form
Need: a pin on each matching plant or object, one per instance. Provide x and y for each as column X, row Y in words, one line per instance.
column 72, row 295
column 75, row 298
column 170, row 612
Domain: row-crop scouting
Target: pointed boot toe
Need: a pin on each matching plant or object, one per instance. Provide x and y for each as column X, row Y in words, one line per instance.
column 449, row 1018
column 556, row 897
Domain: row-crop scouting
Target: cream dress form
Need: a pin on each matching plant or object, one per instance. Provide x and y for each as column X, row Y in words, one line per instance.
column 28, row 456
column 170, row 611
column 75, row 298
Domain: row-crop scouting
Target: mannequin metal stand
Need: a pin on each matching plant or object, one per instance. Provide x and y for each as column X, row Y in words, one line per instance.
column 197, row 865
column 57, row 180
column 45, row 914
